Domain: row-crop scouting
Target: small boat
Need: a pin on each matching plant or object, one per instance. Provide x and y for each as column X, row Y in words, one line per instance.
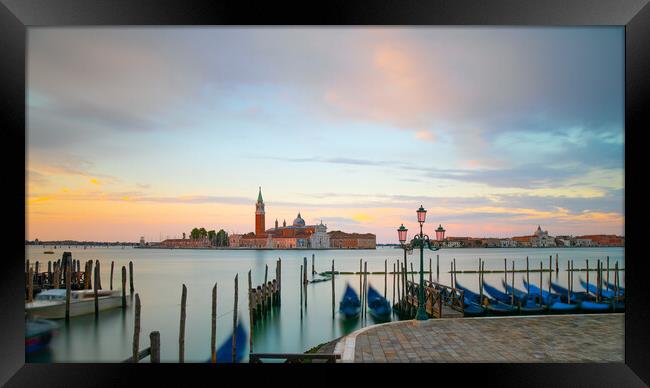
column 576, row 297
column 38, row 333
column 378, row 305
column 528, row 304
column 593, row 289
column 321, row 279
column 224, row 352
column 50, row 304
column 48, row 252
column 350, row 305
column 499, row 295
column 594, row 307
column 473, row 306
column 552, row 301
column 612, row 287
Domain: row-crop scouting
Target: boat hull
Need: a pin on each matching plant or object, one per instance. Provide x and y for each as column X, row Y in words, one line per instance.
column 77, row 308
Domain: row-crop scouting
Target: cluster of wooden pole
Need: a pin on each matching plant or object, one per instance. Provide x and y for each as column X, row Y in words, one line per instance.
column 263, row 298
column 57, row 277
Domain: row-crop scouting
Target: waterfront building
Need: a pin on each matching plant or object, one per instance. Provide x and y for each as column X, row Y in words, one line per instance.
column 583, row 242
column 605, row 240
column 141, row 241
column 453, row 244
column 508, row 243
column 296, row 235
column 185, row 243
column 457, row 242
column 320, row 239
column 523, row 241
column 344, row 240
column 541, row 239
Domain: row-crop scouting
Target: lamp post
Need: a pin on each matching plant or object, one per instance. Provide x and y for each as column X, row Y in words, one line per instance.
column 418, row 240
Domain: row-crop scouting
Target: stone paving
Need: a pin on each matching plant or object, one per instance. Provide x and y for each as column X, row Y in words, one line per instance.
column 556, row 338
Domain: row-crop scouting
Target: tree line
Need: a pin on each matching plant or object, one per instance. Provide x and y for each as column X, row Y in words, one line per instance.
column 219, row 238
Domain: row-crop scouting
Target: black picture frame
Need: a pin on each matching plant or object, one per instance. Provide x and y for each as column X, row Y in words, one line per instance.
column 17, row 15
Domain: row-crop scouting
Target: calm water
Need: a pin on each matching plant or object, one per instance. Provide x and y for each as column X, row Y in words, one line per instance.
column 159, row 275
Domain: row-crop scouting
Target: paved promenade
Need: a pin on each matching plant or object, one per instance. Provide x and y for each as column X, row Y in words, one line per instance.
column 557, row 338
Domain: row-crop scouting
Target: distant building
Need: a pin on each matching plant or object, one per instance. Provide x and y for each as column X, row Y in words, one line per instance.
column 523, row 241
column 296, row 235
column 508, row 243
column 457, row 242
column 344, row 240
column 490, row 242
column 142, row 241
column 583, row 242
column 185, row 243
column 541, row 239
column 604, row 240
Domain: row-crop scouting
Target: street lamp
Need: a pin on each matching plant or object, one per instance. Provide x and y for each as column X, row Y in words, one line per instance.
column 418, row 240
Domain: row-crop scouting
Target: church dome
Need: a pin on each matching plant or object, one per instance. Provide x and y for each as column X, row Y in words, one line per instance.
column 298, row 221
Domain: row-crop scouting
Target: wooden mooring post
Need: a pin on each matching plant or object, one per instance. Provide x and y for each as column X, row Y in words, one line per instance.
column 68, row 290
column 386, row 278
column 30, row 284
column 557, row 264
column 451, row 273
column 541, row 296
column 213, row 331
column 304, row 278
column 361, row 280
column 393, row 299
column 89, row 268
column 568, row 281
column 301, row 287
column 399, row 289
column 234, row 320
column 430, row 271
column 250, row 309
column 96, row 295
column 181, row 332
column 154, row 339
column 111, row 283
column 513, row 282
column 412, row 279
column 365, row 289
column 607, row 279
column 587, row 275
column 616, row 280
column 57, row 276
column 123, row 287
column 131, row 276
column 313, row 268
column 98, row 275
column 437, row 268
column 333, row 300
column 265, row 305
column 480, row 288
column 136, row 328
column 527, row 277
column 280, row 281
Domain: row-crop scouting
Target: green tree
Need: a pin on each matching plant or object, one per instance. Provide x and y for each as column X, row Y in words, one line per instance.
column 203, row 233
column 212, row 235
column 222, row 238
column 195, row 233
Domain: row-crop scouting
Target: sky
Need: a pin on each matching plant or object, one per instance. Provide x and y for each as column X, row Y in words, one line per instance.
column 153, row 131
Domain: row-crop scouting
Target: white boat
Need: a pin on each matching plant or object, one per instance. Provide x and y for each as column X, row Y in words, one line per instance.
column 50, row 304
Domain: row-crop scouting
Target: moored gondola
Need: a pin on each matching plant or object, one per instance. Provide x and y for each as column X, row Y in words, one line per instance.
column 378, row 306
column 350, row 305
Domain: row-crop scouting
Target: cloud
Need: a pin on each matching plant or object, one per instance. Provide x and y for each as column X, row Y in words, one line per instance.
column 425, row 135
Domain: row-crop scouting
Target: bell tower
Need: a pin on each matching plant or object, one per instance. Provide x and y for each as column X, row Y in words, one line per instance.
column 259, row 216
